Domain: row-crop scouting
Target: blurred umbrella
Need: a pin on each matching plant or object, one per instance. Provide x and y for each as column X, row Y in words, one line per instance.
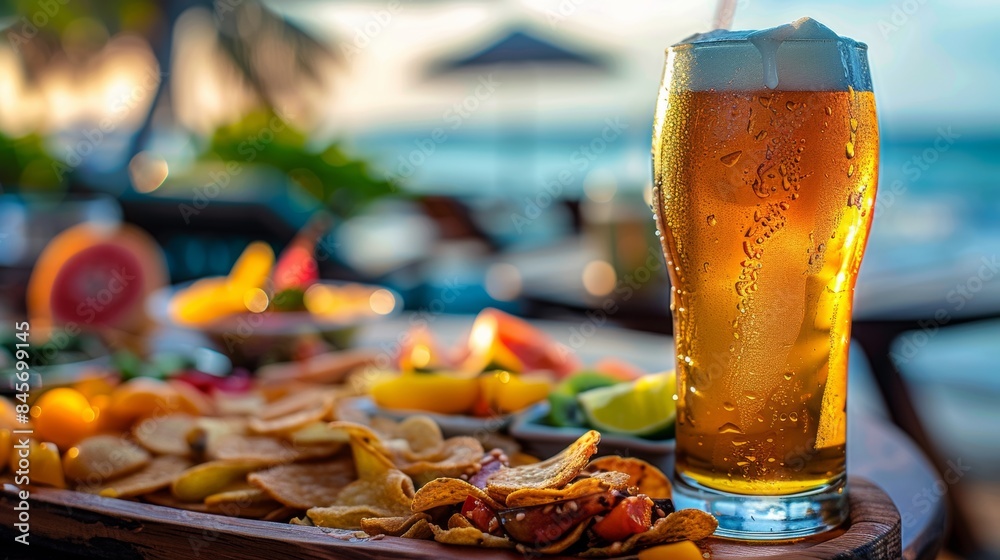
column 520, row 54
column 519, row 48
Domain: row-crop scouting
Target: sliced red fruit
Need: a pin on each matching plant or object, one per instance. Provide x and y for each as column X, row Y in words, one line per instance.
column 92, row 276
column 545, row 524
column 237, row 382
column 619, row 369
column 480, row 515
column 535, row 350
column 630, row 517
column 296, row 268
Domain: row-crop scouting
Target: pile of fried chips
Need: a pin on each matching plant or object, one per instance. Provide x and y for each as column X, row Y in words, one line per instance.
column 294, row 451
column 273, row 454
column 548, row 486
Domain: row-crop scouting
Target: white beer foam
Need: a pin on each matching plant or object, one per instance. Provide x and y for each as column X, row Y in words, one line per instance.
column 804, row 55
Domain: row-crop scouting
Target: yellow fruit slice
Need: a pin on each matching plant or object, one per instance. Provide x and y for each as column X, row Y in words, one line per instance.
column 504, row 392
column 253, row 266
column 443, row 393
column 683, row 550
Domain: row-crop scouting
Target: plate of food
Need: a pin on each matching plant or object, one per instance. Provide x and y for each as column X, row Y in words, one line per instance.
column 154, row 452
column 503, row 366
column 267, row 311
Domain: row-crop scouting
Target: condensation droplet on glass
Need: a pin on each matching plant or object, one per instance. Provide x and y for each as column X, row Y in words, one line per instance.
column 829, row 111
column 760, row 135
column 783, row 205
column 850, row 150
column 850, row 170
column 790, row 105
column 789, row 375
column 793, row 417
column 783, row 417
column 730, row 159
column 854, row 125
column 750, row 396
column 730, row 428
column 728, row 406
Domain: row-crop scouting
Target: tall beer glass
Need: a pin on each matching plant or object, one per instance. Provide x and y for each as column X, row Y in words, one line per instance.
column 765, row 156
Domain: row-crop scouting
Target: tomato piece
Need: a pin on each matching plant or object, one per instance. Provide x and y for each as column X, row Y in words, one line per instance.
column 547, row 523
column 632, row 516
column 481, row 515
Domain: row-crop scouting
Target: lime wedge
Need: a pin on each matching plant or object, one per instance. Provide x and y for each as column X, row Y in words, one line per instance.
column 644, row 407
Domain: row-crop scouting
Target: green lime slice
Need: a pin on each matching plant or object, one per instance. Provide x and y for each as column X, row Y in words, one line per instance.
column 563, row 408
column 644, row 407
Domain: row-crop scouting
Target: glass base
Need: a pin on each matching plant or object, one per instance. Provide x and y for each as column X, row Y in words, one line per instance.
column 769, row 518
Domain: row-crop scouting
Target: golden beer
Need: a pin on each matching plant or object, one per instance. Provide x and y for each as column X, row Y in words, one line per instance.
column 764, row 199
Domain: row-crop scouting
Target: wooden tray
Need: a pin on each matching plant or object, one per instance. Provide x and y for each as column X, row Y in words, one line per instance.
column 77, row 523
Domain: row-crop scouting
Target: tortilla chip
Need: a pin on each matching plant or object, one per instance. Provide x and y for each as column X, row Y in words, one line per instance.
column 578, row 488
column 420, row 530
column 392, row 526
column 292, row 403
column 647, row 478
column 158, row 474
column 458, row 521
column 101, row 458
column 387, row 495
column 470, row 536
column 304, row 521
column 201, row 481
column 238, row 404
column 268, row 449
column 242, row 496
column 307, row 485
column 448, row 491
column 568, row 540
column 550, row 473
column 250, row 511
column 319, row 433
column 682, row 525
column 458, row 456
column 207, row 432
column 294, row 421
column 282, row 514
column 422, row 434
column 165, row 436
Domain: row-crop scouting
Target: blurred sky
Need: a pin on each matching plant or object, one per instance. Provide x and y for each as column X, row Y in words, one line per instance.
column 933, row 62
